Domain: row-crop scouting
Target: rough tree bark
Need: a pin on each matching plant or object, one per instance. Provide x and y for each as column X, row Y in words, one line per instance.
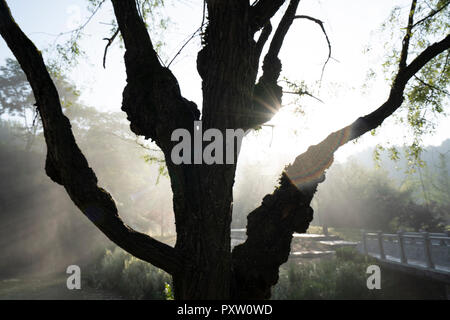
column 202, row 264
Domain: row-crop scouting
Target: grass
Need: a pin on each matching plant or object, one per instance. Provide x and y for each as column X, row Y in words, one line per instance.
column 346, row 233
column 49, row 287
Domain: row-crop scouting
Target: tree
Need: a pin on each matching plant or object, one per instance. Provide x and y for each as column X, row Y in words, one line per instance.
column 201, row 263
column 355, row 197
column 17, row 100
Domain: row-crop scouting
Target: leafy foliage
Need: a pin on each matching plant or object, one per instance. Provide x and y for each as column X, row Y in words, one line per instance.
column 132, row 278
column 15, row 92
column 17, row 100
column 427, row 93
column 70, row 50
column 168, row 291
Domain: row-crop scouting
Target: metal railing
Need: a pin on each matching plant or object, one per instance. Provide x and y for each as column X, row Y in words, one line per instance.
column 413, row 248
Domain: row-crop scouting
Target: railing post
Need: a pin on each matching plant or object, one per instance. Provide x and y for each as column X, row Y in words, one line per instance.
column 380, row 244
column 325, row 230
column 401, row 247
column 427, row 249
column 364, row 242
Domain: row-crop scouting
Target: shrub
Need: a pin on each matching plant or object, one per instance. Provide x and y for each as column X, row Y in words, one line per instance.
column 130, row 277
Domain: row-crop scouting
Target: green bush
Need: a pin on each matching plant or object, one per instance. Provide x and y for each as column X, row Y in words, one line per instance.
column 130, row 277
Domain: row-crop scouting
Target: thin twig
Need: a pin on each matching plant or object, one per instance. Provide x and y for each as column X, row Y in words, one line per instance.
column 433, row 13
column 321, row 24
column 301, row 93
column 192, row 36
column 430, row 86
column 110, row 41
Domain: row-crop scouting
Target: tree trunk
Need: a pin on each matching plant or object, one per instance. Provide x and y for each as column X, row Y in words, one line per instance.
column 202, row 205
column 270, row 227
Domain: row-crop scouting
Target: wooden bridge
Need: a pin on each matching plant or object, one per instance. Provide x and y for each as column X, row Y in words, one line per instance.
column 419, row 253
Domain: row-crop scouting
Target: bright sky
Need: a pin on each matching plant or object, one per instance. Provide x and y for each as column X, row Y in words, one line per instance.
column 351, row 26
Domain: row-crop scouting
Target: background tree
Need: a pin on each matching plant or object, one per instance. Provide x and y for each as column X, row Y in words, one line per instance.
column 17, row 99
column 356, row 197
column 201, row 263
column 432, row 185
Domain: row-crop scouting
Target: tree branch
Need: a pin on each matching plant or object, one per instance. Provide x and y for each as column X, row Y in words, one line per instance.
column 110, row 42
column 431, row 86
column 269, row 234
column 287, row 210
column 408, row 34
column 281, row 32
column 152, row 97
column 66, row 164
column 320, row 23
column 267, row 93
column 262, row 11
column 432, row 14
column 301, row 93
column 264, row 36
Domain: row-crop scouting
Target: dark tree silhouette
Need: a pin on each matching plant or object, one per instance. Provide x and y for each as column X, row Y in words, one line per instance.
column 201, row 263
